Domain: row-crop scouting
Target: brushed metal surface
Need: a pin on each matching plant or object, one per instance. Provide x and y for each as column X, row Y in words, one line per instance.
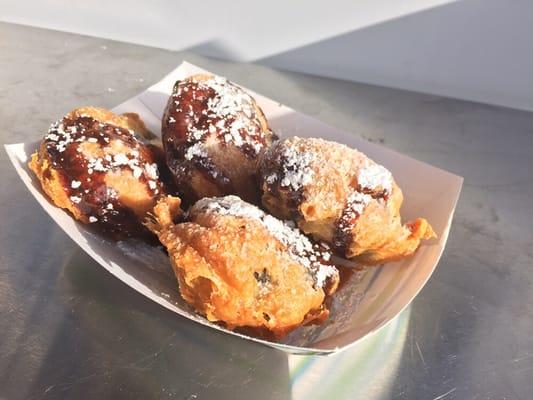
column 70, row 330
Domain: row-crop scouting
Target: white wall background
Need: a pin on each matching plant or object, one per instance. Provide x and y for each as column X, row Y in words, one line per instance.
column 479, row 50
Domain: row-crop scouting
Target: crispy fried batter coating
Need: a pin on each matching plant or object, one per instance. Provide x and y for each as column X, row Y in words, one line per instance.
column 236, row 264
column 92, row 164
column 339, row 195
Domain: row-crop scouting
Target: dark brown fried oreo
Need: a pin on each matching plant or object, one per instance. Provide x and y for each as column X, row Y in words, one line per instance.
column 213, row 133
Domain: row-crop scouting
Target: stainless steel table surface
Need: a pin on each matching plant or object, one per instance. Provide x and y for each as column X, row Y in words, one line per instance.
column 68, row 329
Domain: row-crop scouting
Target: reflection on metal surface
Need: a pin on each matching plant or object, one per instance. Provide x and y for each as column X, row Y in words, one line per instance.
column 367, row 367
column 164, row 350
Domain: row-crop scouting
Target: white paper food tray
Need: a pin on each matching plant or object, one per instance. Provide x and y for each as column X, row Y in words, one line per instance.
column 364, row 304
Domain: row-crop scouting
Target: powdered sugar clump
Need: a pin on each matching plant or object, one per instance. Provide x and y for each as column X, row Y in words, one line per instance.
column 301, row 249
column 229, row 205
column 358, row 201
column 196, row 150
column 375, row 176
column 151, row 171
column 196, row 133
column 296, row 168
column 355, row 206
column 60, row 136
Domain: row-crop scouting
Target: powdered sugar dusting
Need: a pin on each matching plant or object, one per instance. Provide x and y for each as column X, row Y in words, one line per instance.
column 229, row 113
column 64, row 133
column 229, row 99
column 355, row 206
column 357, row 202
column 195, row 151
column 301, row 249
column 91, row 146
column 374, row 177
column 296, row 168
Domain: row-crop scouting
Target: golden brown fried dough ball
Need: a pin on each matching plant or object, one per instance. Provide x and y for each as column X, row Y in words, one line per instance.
column 213, row 133
column 92, row 164
column 339, row 195
column 236, row 264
